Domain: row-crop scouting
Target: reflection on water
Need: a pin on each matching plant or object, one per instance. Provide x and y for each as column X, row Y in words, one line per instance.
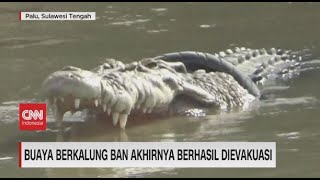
column 287, row 115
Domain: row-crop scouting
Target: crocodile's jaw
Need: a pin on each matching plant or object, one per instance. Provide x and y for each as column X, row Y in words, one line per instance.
column 72, row 89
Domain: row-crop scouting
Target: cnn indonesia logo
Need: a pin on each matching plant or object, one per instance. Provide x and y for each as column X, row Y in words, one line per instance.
column 32, row 116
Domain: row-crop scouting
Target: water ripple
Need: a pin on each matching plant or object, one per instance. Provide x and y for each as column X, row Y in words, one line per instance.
column 205, row 26
column 23, row 42
column 129, row 23
column 289, row 101
column 290, row 135
column 156, row 31
column 159, row 9
column 5, row 158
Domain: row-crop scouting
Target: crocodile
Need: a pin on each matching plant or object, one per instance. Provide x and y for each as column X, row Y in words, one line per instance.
column 167, row 83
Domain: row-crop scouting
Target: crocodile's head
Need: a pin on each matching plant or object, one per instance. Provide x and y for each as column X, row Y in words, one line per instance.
column 72, row 89
column 112, row 89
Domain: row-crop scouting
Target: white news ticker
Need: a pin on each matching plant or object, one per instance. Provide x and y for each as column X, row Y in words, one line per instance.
column 147, row 154
column 57, row 16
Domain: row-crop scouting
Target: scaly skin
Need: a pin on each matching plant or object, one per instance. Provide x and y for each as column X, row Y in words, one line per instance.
column 153, row 85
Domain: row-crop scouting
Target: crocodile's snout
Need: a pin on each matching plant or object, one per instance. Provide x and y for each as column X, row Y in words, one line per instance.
column 72, row 85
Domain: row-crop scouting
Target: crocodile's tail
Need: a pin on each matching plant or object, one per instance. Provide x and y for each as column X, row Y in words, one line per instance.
column 262, row 64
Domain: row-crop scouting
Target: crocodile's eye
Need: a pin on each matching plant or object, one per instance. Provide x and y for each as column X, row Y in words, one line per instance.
column 151, row 65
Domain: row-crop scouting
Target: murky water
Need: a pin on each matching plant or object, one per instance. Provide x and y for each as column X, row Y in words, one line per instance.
column 29, row 51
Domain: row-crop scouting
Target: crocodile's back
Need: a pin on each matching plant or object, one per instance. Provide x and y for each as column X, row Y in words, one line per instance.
column 212, row 63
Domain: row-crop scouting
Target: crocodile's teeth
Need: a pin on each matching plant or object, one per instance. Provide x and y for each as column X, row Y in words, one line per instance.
column 96, row 102
column 61, row 99
column 144, row 110
column 104, row 106
column 109, row 111
column 77, row 103
column 123, row 120
column 115, row 118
